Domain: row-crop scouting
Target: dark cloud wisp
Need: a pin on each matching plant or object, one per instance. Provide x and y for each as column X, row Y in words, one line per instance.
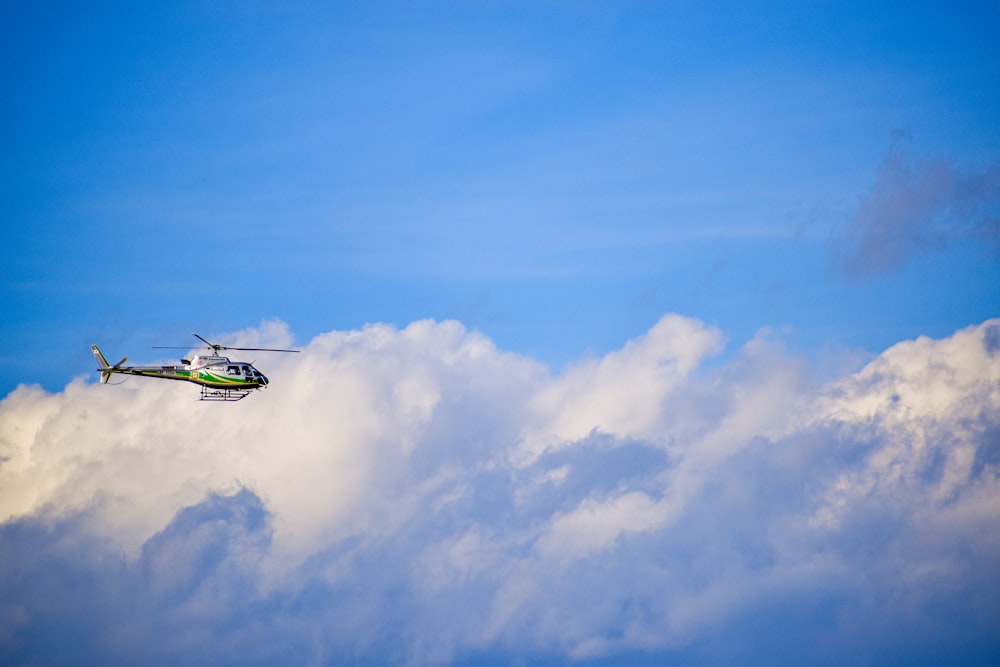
column 918, row 206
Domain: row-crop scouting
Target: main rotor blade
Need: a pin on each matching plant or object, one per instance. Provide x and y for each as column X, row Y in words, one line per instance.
column 217, row 347
column 211, row 345
column 221, row 347
column 254, row 349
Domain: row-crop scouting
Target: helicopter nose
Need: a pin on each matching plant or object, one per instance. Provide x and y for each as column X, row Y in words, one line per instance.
column 263, row 379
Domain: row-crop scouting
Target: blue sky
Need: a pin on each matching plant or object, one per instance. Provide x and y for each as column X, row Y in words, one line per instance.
column 744, row 198
column 555, row 175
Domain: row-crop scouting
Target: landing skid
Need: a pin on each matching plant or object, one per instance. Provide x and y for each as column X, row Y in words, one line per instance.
column 209, row 394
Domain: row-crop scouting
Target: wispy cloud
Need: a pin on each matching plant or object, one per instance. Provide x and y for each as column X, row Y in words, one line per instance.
column 918, row 206
column 420, row 496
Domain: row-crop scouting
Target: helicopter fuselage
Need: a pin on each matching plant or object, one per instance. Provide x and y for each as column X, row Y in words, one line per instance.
column 214, row 372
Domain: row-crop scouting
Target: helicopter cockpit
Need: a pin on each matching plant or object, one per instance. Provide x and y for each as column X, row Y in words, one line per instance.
column 247, row 371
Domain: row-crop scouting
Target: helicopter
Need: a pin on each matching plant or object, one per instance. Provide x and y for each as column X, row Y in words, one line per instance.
column 220, row 378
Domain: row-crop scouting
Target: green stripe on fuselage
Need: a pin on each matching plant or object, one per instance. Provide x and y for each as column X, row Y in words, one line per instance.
column 202, row 377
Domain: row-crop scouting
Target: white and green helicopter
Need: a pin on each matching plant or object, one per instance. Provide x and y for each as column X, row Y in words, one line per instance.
column 220, row 378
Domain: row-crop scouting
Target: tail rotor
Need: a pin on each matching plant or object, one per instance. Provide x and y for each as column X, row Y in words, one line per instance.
column 106, row 369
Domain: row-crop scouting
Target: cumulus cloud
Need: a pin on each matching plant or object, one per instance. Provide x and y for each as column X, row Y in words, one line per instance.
column 419, row 496
column 917, row 206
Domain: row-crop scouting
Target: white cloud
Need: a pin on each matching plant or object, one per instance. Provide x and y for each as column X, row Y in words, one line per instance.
column 418, row 495
column 623, row 392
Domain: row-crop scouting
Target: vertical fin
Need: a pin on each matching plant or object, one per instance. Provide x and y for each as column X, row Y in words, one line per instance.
column 100, row 357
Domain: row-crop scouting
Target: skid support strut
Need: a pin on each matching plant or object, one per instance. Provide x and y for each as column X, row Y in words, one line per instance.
column 231, row 395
